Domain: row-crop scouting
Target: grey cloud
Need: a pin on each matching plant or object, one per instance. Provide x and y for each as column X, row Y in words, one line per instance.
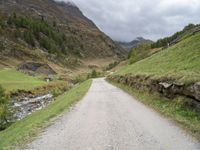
column 153, row 19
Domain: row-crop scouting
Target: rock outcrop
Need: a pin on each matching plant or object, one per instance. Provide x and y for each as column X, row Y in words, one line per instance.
column 36, row 68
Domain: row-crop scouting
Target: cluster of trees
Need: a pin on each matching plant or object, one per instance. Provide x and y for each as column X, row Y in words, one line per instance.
column 32, row 30
column 165, row 41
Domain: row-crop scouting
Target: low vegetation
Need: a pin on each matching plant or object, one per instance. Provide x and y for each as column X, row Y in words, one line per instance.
column 174, row 109
column 112, row 65
column 25, row 129
column 180, row 61
column 94, row 74
column 4, row 112
column 12, row 80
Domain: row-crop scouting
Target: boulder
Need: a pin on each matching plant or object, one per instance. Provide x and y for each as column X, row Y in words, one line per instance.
column 193, row 91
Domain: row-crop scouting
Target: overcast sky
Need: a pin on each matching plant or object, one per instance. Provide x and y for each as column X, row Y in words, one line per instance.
column 125, row 20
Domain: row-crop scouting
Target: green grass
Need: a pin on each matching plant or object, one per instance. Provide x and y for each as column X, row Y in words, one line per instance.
column 181, row 61
column 12, row 80
column 174, row 109
column 20, row 132
column 140, row 52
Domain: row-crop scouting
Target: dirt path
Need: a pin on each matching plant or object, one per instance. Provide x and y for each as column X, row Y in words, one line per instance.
column 109, row 119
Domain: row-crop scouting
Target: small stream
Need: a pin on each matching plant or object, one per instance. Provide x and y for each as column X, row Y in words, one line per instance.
column 26, row 106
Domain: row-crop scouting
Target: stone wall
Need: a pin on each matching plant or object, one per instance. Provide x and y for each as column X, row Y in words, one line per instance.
column 167, row 87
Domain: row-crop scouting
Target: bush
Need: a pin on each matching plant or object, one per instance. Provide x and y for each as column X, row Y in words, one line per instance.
column 3, row 109
column 94, row 74
column 112, row 65
column 80, row 79
column 56, row 92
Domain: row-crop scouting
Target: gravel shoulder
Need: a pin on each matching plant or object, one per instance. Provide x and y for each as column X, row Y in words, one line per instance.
column 109, row 119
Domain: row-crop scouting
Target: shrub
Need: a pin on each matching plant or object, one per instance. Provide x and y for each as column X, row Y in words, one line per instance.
column 112, row 65
column 3, row 109
column 80, row 79
column 94, row 74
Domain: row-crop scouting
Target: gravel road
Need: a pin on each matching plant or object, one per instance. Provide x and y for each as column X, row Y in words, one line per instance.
column 109, row 119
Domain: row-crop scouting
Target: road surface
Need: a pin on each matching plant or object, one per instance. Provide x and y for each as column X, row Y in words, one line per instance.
column 109, row 119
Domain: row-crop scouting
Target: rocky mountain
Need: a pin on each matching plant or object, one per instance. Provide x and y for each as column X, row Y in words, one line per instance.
column 129, row 45
column 46, row 30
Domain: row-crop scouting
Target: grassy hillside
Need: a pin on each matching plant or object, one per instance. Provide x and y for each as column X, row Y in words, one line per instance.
column 177, row 37
column 140, row 52
column 21, row 131
column 181, row 61
column 11, row 80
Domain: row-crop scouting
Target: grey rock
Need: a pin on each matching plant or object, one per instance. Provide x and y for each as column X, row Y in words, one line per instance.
column 165, row 84
column 26, row 106
column 196, row 88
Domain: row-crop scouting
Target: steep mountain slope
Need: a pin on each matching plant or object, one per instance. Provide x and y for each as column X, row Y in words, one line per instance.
column 49, row 31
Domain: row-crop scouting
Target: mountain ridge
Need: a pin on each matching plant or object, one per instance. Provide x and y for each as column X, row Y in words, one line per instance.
column 132, row 44
column 82, row 37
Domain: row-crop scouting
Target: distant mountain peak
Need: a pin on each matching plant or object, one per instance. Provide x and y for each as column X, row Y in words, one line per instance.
column 69, row 3
column 133, row 43
column 139, row 38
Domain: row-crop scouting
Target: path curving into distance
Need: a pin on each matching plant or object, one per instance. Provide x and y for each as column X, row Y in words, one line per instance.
column 109, row 119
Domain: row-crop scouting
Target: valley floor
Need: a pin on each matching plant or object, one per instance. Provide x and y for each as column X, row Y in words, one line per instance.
column 108, row 118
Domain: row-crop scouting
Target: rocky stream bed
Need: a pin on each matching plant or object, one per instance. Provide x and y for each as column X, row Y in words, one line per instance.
column 25, row 106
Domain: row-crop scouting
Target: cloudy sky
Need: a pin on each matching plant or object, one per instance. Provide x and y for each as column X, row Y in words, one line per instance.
column 125, row 20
